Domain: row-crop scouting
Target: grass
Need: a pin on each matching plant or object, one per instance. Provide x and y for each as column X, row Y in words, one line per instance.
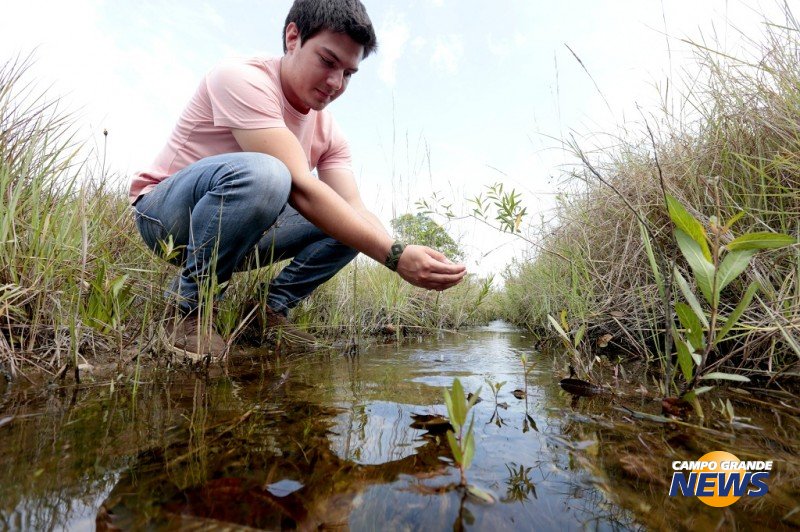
column 735, row 147
column 78, row 285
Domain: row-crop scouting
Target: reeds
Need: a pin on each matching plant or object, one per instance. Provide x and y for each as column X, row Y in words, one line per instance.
column 78, row 285
column 737, row 147
column 66, row 238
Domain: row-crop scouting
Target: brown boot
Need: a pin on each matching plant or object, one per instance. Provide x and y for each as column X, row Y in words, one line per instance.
column 285, row 332
column 186, row 338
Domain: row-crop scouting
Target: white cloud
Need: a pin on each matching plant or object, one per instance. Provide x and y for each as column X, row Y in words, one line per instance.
column 447, row 53
column 394, row 36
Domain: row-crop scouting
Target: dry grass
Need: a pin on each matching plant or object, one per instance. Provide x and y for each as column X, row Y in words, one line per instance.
column 77, row 283
column 738, row 140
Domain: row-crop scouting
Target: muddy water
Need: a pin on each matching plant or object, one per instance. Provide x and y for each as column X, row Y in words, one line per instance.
column 324, row 440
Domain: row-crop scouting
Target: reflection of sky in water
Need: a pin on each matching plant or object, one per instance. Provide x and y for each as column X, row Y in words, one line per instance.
column 364, row 406
column 377, row 432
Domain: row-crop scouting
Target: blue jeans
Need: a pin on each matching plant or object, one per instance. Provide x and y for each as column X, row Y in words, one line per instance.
column 236, row 204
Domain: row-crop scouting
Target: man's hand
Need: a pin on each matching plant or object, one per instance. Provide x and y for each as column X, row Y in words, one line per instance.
column 427, row 268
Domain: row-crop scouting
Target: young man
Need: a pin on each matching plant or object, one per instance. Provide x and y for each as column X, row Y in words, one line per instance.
column 245, row 146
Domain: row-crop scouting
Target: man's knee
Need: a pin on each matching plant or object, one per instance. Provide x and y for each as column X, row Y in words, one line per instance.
column 264, row 176
column 344, row 253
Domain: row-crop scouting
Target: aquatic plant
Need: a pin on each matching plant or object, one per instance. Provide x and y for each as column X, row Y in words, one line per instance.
column 495, row 388
column 461, row 441
column 519, row 484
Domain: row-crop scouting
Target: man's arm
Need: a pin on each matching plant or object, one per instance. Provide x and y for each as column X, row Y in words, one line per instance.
column 325, row 208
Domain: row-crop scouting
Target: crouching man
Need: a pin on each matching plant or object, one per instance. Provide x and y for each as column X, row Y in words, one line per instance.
column 233, row 185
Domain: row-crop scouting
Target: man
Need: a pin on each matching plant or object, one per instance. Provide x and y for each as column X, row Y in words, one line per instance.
column 245, row 146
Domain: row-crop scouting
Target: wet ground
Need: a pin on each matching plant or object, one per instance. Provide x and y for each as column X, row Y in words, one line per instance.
column 325, row 440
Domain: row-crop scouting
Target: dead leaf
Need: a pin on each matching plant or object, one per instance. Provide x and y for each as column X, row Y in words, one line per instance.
column 676, row 407
column 470, row 395
column 603, row 340
column 580, row 387
column 431, row 422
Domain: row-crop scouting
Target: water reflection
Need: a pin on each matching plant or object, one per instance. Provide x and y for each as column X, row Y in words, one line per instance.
column 329, row 440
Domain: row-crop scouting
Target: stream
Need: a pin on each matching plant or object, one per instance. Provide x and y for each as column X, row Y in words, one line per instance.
column 333, row 440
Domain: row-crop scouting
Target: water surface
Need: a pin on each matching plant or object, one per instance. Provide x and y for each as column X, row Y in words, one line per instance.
column 324, row 440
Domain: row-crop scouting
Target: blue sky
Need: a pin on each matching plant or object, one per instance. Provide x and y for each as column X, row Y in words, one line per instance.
column 461, row 94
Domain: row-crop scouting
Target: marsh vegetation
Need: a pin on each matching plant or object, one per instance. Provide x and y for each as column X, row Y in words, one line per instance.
column 667, row 286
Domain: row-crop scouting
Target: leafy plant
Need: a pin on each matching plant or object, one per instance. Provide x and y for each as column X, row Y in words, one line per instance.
column 108, row 302
column 570, row 342
column 495, row 388
column 714, row 266
column 507, row 207
column 519, row 484
column 462, row 442
column 421, row 229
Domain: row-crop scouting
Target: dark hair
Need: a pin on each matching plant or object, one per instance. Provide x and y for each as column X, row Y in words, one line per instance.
column 339, row 16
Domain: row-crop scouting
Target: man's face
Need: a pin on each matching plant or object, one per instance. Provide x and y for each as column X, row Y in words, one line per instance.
column 316, row 73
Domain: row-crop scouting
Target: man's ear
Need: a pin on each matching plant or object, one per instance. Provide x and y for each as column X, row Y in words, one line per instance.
column 292, row 37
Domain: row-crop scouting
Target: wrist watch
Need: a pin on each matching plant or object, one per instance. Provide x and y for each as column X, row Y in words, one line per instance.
column 393, row 258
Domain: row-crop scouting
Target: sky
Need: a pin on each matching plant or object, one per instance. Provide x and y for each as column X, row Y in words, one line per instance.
column 461, row 94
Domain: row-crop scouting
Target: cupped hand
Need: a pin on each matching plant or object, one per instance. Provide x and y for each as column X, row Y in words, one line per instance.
column 427, row 268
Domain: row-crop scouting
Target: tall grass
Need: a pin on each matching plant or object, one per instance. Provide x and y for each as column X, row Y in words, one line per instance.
column 736, row 147
column 65, row 236
column 78, row 285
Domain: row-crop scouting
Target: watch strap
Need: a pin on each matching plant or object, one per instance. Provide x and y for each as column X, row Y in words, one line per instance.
column 393, row 258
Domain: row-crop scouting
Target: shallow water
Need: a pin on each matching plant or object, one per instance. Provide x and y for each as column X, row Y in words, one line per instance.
column 325, row 440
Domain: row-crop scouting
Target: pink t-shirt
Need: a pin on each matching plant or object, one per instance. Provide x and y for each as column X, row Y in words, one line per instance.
column 242, row 94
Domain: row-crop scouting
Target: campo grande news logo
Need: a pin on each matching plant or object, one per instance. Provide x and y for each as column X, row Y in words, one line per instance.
column 720, row 479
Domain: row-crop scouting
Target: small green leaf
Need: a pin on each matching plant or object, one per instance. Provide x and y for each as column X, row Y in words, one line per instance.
column 725, row 376
column 702, row 390
column 732, row 266
column 451, row 409
column 454, row 447
column 690, row 322
column 763, row 240
column 735, row 218
column 558, row 329
column 459, row 402
column 737, row 312
column 688, row 224
column 469, row 449
column 690, row 298
column 703, row 269
column 684, row 359
column 652, row 259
